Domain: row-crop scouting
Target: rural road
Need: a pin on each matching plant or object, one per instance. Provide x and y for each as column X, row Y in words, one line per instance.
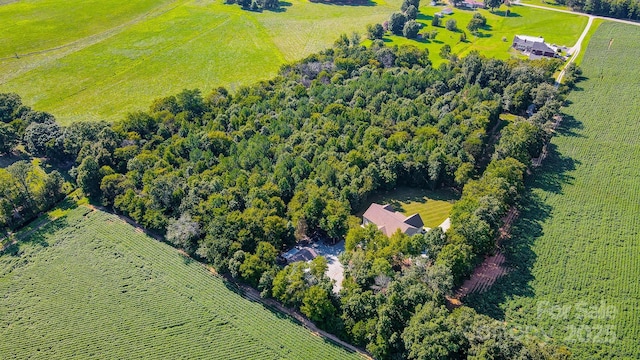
column 575, row 50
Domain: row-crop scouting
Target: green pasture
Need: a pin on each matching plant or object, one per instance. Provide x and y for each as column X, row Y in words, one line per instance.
column 433, row 206
column 546, row 3
column 496, row 38
column 36, row 25
column 575, row 251
column 90, row 286
column 101, row 60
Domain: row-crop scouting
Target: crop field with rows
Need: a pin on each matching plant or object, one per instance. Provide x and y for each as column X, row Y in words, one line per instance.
column 575, row 252
column 88, row 285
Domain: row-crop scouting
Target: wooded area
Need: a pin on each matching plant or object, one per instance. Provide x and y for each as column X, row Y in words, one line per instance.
column 622, row 9
column 235, row 179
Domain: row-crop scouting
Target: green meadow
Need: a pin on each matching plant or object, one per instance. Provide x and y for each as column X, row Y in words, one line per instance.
column 98, row 60
column 495, row 39
column 90, row 286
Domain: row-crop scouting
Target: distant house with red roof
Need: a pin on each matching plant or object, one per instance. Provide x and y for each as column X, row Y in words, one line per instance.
column 389, row 221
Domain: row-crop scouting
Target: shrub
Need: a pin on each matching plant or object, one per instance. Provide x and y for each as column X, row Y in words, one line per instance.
column 375, row 31
column 445, row 51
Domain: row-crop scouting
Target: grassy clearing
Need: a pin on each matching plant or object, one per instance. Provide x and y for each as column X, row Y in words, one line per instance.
column 121, row 63
column 577, row 244
column 555, row 27
column 433, row 206
column 88, row 285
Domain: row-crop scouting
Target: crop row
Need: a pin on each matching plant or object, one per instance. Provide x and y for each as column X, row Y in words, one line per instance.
column 108, row 291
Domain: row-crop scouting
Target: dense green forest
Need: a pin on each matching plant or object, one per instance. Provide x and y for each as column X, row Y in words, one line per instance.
column 622, row 9
column 235, row 179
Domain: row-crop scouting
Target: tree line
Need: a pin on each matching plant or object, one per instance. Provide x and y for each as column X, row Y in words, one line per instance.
column 238, row 178
column 622, row 9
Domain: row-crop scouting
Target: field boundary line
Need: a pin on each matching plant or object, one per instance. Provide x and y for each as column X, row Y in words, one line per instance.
column 245, row 291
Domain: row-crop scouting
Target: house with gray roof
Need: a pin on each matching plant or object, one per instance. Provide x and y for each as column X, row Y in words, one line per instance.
column 533, row 46
column 389, row 221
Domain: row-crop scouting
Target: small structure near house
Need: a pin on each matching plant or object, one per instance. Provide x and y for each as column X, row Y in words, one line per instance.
column 533, row 46
column 443, row 12
column 472, row 4
column 389, row 221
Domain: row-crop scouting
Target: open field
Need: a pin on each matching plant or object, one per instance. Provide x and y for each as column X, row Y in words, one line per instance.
column 101, row 60
column 546, row 3
column 555, row 27
column 88, row 285
column 575, row 252
column 433, row 206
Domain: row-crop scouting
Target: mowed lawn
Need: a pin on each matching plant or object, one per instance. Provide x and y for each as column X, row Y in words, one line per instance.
column 575, row 253
column 89, row 286
column 433, row 206
column 101, row 59
column 557, row 28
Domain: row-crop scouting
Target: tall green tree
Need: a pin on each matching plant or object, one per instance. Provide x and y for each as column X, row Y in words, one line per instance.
column 396, row 23
column 317, row 306
column 492, row 4
column 89, row 178
column 429, row 335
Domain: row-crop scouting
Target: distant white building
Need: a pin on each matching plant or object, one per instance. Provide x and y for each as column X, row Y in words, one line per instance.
column 443, row 12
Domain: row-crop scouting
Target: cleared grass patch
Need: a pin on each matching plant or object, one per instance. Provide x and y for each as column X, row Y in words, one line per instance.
column 88, row 285
column 555, row 27
column 433, row 206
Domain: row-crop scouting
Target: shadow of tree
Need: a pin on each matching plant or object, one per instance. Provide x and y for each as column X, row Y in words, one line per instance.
column 503, row 13
column 520, row 257
column 9, row 158
column 568, row 127
column 282, row 7
column 482, row 35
